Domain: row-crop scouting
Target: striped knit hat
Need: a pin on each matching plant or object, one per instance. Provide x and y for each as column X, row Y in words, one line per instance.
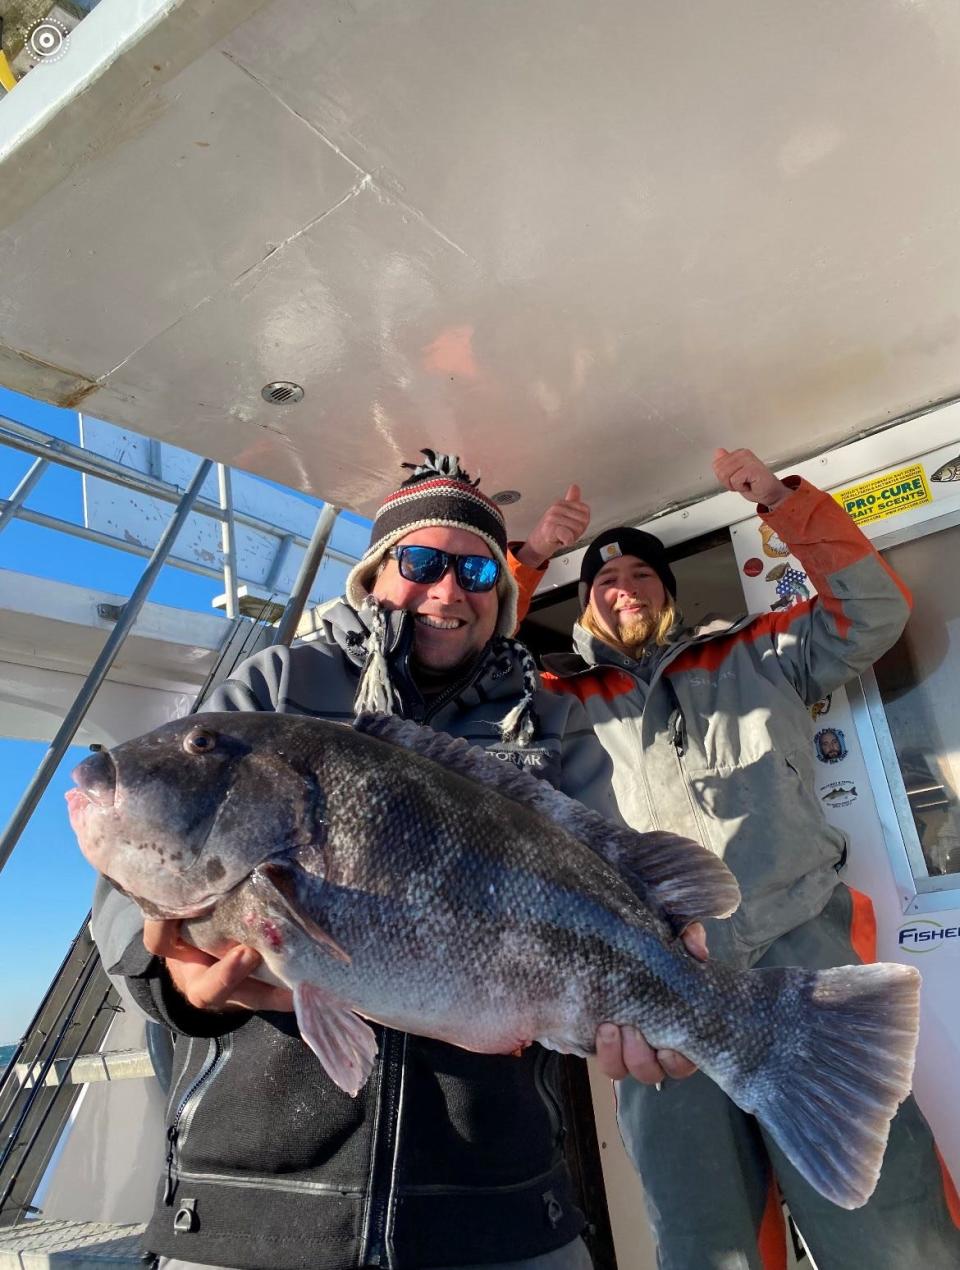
column 438, row 493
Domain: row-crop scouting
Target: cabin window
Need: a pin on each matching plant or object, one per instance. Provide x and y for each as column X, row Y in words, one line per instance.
column 918, row 690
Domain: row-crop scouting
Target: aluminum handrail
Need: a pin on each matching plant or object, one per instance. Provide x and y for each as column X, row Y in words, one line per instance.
column 20, row 436
column 75, row 715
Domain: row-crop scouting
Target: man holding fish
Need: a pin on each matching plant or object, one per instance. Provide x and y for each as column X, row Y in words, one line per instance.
column 709, row 735
column 427, row 1154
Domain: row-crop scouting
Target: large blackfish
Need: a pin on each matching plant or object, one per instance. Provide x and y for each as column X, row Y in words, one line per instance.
column 388, row 872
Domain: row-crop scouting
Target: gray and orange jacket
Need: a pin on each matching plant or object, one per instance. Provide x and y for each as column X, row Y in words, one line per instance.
column 710, row 735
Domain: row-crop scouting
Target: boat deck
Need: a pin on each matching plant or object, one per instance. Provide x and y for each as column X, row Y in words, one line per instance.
column 81, row 1245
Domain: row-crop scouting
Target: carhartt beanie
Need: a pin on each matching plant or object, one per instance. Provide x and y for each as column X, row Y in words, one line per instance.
column 440, row 493
column 624, row 541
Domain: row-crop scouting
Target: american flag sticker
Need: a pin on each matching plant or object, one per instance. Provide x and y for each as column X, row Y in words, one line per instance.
column 610, row 551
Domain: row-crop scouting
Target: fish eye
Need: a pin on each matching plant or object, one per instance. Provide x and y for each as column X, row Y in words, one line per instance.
column 200, row 741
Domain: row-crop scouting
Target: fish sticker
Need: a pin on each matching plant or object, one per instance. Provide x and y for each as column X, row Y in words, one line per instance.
column 830, row 745
column 949, row 471
column 838, row 794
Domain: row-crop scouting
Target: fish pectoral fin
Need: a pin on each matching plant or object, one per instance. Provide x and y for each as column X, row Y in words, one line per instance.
column 682, row 880
column 343, row 1043
column 284, row 879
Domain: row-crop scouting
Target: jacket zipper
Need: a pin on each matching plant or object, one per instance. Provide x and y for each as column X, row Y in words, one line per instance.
column 377, row 1243
column 173, row 1130
column 678, row 740
column 546, row 1094
column 452, row 693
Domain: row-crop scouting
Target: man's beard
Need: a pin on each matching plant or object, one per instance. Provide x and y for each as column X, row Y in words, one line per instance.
column 635, row 630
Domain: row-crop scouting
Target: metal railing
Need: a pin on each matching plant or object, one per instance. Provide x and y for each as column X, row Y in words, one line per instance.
column 77, row 1008
column 51, row 449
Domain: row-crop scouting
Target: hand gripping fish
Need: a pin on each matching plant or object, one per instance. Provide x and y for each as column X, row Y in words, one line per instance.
column 392, row 873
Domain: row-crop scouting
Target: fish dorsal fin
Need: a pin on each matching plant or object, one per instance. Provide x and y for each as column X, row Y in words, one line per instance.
column 672, row 875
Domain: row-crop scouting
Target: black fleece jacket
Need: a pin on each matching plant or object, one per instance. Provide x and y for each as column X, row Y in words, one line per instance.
column 446, row 1157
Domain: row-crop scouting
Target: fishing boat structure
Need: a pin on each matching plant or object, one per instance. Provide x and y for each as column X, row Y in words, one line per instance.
column 569, row 243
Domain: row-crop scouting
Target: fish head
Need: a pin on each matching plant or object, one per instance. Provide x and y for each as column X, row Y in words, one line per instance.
column 179, row 817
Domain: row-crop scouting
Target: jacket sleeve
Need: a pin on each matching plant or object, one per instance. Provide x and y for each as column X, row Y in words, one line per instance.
column 860, row 608
column 117, row 927
column 117, row 921
column 527, row 579
column 259, row 683
column 586, row 772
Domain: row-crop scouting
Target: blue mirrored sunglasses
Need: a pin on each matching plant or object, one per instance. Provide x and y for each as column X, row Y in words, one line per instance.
column 429, row 564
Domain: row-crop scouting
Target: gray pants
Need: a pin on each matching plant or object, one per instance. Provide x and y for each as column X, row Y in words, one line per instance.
column 711, row 1174
column 573, row 1256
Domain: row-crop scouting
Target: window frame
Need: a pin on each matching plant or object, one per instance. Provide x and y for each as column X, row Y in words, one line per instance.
column 919, row 894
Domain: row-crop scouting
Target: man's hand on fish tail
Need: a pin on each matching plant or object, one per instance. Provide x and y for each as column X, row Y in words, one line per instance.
column 213, row 983
column 622, row 1051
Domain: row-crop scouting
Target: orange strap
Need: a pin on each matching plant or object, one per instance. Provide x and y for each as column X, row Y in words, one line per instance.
column 863, row 927
column 772, row 1236
column 949, row 1190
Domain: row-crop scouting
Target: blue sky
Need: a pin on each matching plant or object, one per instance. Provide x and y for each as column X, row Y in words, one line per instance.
column 45, row 888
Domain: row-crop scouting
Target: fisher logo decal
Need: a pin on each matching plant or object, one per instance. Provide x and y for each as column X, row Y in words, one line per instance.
column 838, row 794
column 753, row 567
column 791, row 585
column 821, row 707
column 886, row 495
column 924, row 935
column 772, row 543
column 830, row 745
column 949, row 471
column 610, row 551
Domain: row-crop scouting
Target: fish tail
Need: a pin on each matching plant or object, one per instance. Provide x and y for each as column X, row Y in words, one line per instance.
column 841, row 1064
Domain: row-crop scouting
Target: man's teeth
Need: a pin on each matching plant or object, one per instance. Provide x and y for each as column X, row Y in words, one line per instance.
column 439, row 623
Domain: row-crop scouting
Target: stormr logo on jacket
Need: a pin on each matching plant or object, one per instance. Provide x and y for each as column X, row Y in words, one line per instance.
column 926, row 935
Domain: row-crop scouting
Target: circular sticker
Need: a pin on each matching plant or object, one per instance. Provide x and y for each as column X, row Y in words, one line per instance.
column 830, row 745
column 753, row 567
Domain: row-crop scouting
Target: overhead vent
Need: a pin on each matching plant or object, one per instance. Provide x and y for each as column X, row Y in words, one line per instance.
column 282, row 392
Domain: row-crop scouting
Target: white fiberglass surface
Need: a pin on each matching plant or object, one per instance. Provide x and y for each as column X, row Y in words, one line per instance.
column 559, row 238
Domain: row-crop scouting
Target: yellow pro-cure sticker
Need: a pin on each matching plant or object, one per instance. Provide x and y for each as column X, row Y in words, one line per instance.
column 886, row 495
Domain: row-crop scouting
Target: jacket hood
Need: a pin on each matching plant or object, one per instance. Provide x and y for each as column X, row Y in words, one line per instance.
column 497, row 674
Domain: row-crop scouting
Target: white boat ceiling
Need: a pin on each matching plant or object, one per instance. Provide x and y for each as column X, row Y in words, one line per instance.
column 567, row 239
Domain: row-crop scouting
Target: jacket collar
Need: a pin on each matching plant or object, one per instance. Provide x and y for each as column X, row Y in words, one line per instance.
column 494, row 676
column 591, row 652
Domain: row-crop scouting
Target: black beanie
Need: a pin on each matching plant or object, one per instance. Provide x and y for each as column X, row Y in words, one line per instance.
column 624, row 541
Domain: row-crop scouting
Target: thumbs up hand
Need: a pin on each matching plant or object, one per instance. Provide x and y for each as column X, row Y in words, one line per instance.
column 743, row 472
column 561, row 525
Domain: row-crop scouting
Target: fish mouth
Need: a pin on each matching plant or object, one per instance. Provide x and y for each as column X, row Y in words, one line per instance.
column 96, row 780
